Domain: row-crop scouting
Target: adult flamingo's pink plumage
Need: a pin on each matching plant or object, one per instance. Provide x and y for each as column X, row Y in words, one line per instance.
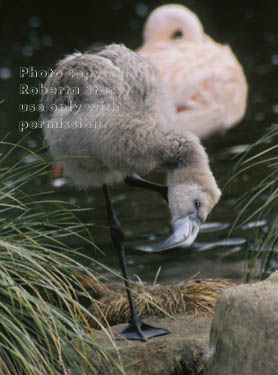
column 207, row 81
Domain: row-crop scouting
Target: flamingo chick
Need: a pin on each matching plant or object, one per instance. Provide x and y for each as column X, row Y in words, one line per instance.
column 205, row 77
column 116, row 123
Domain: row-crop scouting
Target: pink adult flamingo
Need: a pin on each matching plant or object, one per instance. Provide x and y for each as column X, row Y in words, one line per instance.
column 207, row 81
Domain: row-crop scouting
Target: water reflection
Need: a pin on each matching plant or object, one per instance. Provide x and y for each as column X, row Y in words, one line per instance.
column 5, row 73
column 59, row 182
column 213, row 227
column 220, row 244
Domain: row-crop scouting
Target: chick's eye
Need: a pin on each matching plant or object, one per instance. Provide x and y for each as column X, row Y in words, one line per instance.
column 197, row 203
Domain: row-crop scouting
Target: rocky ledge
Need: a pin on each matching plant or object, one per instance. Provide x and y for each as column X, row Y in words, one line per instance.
column 241, row 338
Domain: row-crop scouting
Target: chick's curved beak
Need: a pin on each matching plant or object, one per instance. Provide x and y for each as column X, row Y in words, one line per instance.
column 185, row 230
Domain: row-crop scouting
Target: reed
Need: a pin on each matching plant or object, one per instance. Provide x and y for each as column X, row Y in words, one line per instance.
column 261, row 203
column 44, row 328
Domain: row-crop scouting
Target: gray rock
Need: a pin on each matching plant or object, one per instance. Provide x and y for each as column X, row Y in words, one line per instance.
column 178, row 353
column 244, row 332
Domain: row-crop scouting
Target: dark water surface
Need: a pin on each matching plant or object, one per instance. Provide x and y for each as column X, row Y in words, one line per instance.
column 37, row 34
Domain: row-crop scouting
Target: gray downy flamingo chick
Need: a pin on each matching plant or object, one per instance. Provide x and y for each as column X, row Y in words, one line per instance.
column 108, row 118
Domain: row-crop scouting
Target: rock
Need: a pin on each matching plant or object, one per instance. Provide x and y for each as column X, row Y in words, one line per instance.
column 178, row 353
column 273, row 277
column 244, row 332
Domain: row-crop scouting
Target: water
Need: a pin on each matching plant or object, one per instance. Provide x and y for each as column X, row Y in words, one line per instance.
column 37, row 36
